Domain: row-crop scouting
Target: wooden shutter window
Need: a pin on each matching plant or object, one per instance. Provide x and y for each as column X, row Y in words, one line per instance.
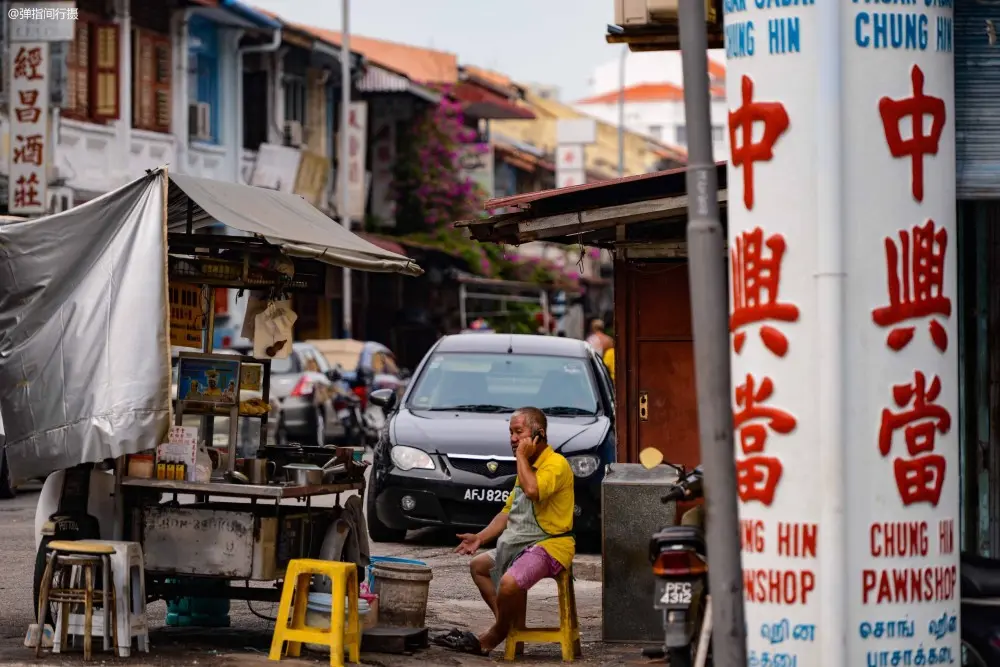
column 151, row 93
column 78, row 74
column 162, row 56
column 105, row 70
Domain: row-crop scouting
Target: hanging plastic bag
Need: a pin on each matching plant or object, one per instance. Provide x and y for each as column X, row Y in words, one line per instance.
column 273, row 331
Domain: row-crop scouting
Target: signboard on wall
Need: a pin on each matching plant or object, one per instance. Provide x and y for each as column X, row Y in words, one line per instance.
column 476, row 161
column 276, row 167
column 383, row 163
column 358, row 177
column 187, row 317
column 29, row 149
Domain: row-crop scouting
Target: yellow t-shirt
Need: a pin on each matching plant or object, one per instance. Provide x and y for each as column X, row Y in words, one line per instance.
column 554, row 509
column 609, row 361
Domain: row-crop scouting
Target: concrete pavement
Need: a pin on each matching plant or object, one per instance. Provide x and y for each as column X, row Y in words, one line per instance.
column 454, row 602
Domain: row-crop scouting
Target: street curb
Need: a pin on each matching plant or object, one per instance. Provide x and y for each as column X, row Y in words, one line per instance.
column 588, row 570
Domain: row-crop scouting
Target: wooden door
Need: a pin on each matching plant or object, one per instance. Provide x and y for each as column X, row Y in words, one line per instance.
column 657, row 404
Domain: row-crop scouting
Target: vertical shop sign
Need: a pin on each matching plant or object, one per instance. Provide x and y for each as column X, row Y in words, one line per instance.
column 899, row 446
column 27, row 192
column 357, row 148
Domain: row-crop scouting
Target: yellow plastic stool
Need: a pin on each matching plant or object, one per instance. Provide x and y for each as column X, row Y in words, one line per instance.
column 567, row 635
column 344, row 577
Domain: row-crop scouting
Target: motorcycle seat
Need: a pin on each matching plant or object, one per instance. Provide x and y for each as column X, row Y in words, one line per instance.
column 980, row 577
column 685, row 535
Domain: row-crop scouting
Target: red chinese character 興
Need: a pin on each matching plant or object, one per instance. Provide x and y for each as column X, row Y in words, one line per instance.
column 30, row 149
column 919, row 144
column 28, row 112
column 745, row 152
column 916, row 285
column 27, row 64
column 756, row 278
column 26, row 191
column 920, row 478
column 757, row 475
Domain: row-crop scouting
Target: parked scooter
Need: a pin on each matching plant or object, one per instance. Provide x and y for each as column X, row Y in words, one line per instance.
column 351, row 405
column 680, row 565
column 980, row 611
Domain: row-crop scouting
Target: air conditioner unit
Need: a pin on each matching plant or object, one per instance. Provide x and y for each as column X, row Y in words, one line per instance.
column 293, row 133
column 637, row 13
column 200, row 120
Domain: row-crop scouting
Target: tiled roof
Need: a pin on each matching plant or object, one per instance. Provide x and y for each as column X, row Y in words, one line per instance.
column 421, row 65
column 643, row 92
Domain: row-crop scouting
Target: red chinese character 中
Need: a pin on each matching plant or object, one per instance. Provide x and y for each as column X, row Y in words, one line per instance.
column 28, row 112
column 757, row 475
column 30, row 149
column 916, row 285
column 26, row 191
column 745, row 152
column 756, row 278
column 919, row 144
column 918, row 479
column 27, row 64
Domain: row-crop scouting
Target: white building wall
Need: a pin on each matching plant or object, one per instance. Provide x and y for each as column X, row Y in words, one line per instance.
column 644, row 67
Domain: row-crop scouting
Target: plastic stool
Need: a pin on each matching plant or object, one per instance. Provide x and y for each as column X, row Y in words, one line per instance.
column 567, row 635
column 129, row 574
column 70, row 559
column 344, row 577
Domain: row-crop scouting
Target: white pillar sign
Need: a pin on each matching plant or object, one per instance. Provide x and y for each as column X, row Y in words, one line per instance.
column 857, row 539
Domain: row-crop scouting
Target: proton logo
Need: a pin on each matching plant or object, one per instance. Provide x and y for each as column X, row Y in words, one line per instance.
column 492, row 466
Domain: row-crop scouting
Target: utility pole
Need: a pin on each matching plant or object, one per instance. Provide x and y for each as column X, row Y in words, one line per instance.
column 345, row 153
column 621, row 111
column 710, row 319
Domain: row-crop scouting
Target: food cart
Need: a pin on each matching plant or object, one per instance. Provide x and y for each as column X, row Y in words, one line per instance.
column 228, row 517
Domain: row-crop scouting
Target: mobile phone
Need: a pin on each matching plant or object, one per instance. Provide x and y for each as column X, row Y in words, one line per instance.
column 538, row 435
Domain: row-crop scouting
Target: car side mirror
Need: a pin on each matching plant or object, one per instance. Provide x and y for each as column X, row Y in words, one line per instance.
column 333, row 375
column 384, row 398
column 405, row 374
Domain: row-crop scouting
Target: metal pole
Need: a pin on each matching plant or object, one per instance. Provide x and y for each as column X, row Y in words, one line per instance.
column 344, row 158
column 710, row 319
column 621, row 112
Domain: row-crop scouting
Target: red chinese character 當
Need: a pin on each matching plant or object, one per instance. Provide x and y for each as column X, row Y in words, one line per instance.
column 745, row 153
column 30, row 149
column 756, row 279
column 919, row 144
column 919, row 479
column 27, row 64
column 916, row 284
column 28, row 112
column 757, row 475
column 26, row 191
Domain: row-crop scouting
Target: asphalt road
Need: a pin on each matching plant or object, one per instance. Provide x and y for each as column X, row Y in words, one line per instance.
column 454, row 601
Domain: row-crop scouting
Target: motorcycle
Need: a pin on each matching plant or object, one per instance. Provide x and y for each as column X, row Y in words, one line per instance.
column 351, row 406
column 679, row 558
column 980, row 611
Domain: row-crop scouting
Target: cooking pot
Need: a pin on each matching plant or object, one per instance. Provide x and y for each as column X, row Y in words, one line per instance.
column 303, row 474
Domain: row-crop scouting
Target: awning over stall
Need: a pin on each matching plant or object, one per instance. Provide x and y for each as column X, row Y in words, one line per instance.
column 283, row 219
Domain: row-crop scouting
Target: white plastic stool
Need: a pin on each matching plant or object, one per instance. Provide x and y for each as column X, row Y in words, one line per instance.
column 129, row 574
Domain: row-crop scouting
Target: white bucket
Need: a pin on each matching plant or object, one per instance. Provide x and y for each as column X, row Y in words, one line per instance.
column 318, row 612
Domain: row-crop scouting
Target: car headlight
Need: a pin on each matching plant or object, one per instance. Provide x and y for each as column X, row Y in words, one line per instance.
column 584, row 466
column 410, row 458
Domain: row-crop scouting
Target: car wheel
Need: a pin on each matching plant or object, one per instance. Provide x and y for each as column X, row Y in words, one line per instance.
column 7, row 490
column 378, row 531
column 320, row 431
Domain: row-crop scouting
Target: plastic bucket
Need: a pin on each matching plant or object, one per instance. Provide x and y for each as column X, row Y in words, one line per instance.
column 377, row 560
column 402, row 590
column 318, row 615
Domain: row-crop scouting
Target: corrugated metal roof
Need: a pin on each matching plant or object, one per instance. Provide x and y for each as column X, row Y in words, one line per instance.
column 380, row 80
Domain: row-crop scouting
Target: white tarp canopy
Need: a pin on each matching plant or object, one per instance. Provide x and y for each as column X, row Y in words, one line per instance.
column 84, row 328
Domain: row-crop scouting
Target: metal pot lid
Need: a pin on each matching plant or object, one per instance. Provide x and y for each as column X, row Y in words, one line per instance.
column 301, row 466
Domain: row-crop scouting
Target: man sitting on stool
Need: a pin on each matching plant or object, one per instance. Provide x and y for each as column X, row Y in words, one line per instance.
column 534, row 530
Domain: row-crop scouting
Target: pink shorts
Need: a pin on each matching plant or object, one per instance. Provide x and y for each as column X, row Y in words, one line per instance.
column 533, row 565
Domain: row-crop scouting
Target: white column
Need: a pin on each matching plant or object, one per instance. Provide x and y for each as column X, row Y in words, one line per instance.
column 179, row 88
column 844, row 330
column 276, row 102
column 231, row 100
column 123, row 127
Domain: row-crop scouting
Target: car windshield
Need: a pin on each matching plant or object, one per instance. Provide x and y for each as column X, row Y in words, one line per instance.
column 282, row 366
column 479, row 382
